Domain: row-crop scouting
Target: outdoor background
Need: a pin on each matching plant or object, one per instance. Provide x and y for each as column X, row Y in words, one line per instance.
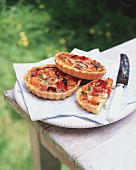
column 32, row 30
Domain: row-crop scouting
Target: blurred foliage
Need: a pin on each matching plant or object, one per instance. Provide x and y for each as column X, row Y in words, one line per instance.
column 88, row 24
column 32, row 30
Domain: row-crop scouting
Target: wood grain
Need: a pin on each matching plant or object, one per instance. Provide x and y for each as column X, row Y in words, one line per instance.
column 42, row 158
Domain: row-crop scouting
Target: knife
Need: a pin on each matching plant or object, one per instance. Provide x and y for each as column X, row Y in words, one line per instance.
column 122, row 81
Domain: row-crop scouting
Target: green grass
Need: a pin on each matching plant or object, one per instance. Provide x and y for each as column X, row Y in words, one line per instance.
column 22, row 39
column 34, row 30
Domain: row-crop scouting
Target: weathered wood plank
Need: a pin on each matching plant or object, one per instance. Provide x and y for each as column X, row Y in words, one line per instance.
column 35, row 145
column 42, row 159
column 118, row 152
column 73, row 143
column 48, row 161
column 55, row 152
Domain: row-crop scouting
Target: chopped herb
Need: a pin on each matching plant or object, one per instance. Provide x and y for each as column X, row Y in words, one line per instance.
column 41, row 76
column 96, row 94
column 89, row 88
column 84, row 92
column 45, row 82
column 62, row 57
column 64, row 81
column 42, row 79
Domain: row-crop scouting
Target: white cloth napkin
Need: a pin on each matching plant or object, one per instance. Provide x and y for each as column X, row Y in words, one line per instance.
column 40, row 109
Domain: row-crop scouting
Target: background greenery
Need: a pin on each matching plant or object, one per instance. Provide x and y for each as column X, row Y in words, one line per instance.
column 37, row 29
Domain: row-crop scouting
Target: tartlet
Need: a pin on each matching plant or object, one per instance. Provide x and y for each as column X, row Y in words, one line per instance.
column 93, row 96
column 48, row 82
column 79, row 66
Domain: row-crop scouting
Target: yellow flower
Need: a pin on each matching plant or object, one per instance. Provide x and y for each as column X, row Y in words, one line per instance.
column 22, row 34
column 92, row 31
column 108, row 34
column 62, row 41
column 25, row 43
column 24, row 38
column 100, row 33
column 41, row 6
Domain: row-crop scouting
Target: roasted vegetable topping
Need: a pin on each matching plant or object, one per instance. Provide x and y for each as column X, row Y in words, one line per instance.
column 65, row 81
column 52, row 89
column 34, row 73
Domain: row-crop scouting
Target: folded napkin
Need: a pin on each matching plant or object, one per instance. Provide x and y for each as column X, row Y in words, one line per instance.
column 40, row 109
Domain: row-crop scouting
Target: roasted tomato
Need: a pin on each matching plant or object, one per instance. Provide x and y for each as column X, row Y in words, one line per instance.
column 83, row 95
column 42, row 87
column 52, row 89
column 101, row 83
column 61, row 86
column 34, row 72
column 34, row 81
column 82, row 58
column 93, row 100
column 68, row 61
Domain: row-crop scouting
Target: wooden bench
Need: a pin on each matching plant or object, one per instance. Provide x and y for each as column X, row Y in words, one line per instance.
column 111, row 147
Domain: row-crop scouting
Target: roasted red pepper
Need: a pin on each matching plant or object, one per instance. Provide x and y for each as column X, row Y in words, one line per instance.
column 62, row 86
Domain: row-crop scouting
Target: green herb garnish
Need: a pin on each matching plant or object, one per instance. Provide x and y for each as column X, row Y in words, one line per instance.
column 41, row 76
column 84, row 92
column 45, row 82
column 42, row 79
column 64, row 81
column 62, row 57
column 89, row 88
column 96, row 94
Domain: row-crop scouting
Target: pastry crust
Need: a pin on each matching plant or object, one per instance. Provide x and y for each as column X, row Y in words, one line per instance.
column 93, row 95
column 50, row 83
column 79, row 66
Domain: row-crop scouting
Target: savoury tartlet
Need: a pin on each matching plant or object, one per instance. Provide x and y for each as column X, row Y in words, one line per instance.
column 93, row 96
column 49, row 82
column 79, row 66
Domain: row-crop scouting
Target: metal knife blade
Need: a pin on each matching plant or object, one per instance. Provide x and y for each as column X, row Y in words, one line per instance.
column 122, row 80
column 123, row 74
